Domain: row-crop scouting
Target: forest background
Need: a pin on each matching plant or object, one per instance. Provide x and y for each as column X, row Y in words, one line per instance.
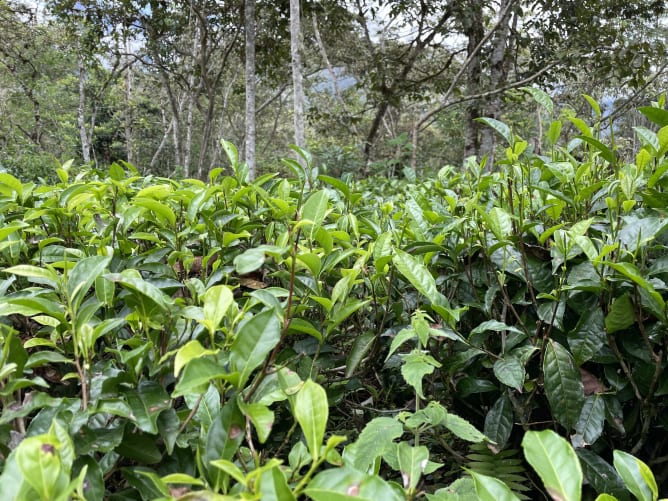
column 368, row 87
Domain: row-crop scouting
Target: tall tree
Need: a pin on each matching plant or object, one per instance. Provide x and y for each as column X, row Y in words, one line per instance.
column 249, row 17
column 297, row 76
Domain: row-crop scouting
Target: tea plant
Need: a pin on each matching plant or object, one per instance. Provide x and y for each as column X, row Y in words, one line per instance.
column 329, row 338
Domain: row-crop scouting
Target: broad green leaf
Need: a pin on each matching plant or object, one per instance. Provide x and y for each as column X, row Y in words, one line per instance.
column 197, row 375
column 146, row 403
column 161, row 210
column 491, row 489
column 554, row 132
column 541, row 97
column 563, row 385
column 187, row 352
column 46, row 276
column 416, row 365
column 231, row 152
column 38, row 459
column 648, row 138
column 418, row 275
column 630, row 271
column 657, row 115
column 555, row 462
column 359, row 350
column 225, row 435
column 135, row 283
column 261, row 416
column 311, row 410
column 412, row 461
column 347, row 484
column 462, row 489
column 621, row 315
column 636, row 475
column 274, row 485
column 499, row 127
column 249, row 261
column 315, row 210
column 510, row 371
column 590, row 424
column 607, row 154
column 594, row 105
column 336, row 183
column 81, row 278
column 588, row 336
column 376, row 439
column 499, row 421
column 601, row 475
column 420, row 227
column 253, row 342
column 217, row 300
column 499, row 223
column 462, row 428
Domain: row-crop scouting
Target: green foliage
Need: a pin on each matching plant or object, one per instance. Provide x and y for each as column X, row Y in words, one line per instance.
column 257, row 339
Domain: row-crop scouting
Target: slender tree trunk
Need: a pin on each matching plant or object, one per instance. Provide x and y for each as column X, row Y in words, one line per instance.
column 297, row 79
column 249, row 14
column 498, row 78
column 81, row 109
column 474, row 29
column 129, row 118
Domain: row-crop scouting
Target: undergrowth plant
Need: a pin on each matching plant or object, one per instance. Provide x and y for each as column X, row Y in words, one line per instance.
column 491, row 332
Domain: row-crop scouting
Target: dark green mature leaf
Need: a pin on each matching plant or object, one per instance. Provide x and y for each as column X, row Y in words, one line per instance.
column 462, row 428
column 253, row 342
column 146, row 403
column 636, row 475
column 588, row 336
column 555, row 462
column 510, row 371
column 603, row 477
column 132, row 280
column 346, row 484
column 197, row 375
column 224, row 436
column 462, row 489
column 499, row 421
column 621, row 315
column 606, row 152
column 359, row 350
column 590, row 424
column 563, row 384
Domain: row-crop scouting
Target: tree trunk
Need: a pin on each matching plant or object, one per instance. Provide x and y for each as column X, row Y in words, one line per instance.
column 297, row 79
column 81, row 109
column 498, row 77
column 249, row 15
column 129, row 146
column 474, row 29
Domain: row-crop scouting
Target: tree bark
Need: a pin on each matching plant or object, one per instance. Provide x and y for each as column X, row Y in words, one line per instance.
column 249, row 14
column 297, row 78
column 81, row 109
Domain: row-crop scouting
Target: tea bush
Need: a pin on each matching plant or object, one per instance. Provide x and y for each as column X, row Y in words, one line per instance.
column 313, row 337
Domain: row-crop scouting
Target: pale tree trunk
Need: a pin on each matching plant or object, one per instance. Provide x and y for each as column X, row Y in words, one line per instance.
column 498, row 77
column 297, row 80
column 81, row 109
column 129, row 143
column 249, row 14
column 474, row 29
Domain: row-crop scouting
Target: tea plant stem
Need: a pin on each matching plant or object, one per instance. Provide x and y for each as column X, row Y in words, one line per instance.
column 84, row 384
column 191, row 415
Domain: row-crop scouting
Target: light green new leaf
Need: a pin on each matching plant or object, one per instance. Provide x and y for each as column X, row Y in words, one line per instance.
column 462, row 428
column 161, row 210
column 491, row 489
column 416, row 365
column 541, row 97
column 312, row 410
column 412, row 461
column 38, row 459
column 359, row 350
column 315, row 210
column 217, row 300
column 563, row 385
column 556, row 463
column 631, row 272
column 499, row 127
column 82, row 276
column 197, row 376
column 636, row 475
column 130, row 279
column 274, row 485
column 346, row 484
column 376, row 439
column 253, row 342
